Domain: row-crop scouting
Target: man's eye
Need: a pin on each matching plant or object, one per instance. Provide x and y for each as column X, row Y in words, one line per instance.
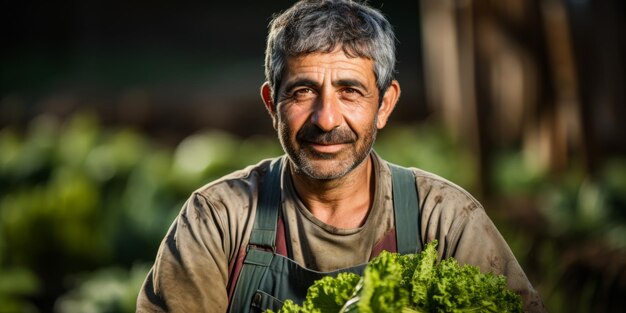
column 350, row 93
column 303, row 93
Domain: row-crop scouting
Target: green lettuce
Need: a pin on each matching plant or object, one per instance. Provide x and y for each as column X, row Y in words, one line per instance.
column 381, row 289
column 410, row 283
column 328, row 294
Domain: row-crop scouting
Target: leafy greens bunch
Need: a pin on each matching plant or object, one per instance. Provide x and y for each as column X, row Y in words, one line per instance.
column 409, row 284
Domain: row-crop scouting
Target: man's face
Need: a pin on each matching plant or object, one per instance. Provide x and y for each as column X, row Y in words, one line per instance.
column 327, row 113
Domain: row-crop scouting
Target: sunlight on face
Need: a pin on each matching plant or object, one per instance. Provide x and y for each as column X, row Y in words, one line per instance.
column 327, row 113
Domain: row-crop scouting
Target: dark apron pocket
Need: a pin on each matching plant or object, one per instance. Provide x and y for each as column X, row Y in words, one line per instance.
column 263, row 301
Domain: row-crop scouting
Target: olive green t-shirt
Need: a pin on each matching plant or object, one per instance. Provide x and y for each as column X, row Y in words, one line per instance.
column 192, row 268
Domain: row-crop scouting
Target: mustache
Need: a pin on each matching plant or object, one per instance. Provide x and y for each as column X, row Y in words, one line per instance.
column 339, row 135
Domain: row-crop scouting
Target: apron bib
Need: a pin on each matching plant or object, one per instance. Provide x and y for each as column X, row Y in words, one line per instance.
column 266, row 278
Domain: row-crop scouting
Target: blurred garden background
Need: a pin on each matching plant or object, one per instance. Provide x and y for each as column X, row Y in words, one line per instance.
column 113, row 112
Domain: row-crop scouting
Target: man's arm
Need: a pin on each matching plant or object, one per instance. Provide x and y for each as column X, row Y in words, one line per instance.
column 479, row 243
column 465, row 232
column 191, row 268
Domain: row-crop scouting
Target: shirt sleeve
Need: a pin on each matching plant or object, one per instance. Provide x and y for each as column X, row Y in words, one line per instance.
column 190, row 273
column 466, row 233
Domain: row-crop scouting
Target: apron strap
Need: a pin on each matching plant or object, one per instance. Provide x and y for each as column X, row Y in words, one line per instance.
column 264, row 231
column 262, row 239
column 406, row 210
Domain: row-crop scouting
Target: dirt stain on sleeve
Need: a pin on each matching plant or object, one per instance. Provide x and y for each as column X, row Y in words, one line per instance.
column 471, row 207
column 494, row 261
column 438, row 199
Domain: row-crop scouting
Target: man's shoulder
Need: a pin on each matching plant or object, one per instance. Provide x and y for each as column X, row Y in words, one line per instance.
column 241, row 183
column 439, row 185
column 439, row 188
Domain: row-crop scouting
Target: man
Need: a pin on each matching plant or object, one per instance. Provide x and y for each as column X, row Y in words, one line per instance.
column 256, row 237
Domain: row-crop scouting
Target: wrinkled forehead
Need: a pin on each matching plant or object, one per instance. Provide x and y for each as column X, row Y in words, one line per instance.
column 335, row 61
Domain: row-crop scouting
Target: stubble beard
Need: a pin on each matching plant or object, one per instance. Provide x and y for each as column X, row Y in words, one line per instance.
column 305, row 160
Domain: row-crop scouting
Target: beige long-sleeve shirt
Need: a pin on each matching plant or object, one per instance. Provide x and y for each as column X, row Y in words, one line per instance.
column 192, row 269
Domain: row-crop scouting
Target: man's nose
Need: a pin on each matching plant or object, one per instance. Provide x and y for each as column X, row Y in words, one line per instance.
column 326, row 113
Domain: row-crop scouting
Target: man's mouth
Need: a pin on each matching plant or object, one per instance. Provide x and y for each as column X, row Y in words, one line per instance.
column 326, row 148
column 325, row 143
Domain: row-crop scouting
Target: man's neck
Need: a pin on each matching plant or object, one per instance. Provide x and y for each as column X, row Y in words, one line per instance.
column 343, row 202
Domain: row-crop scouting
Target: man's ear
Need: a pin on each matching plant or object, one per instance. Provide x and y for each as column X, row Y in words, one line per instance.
column 388, row 103
column 266, row 95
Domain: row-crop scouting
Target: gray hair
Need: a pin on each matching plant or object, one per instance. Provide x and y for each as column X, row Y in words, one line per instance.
column 324, row 25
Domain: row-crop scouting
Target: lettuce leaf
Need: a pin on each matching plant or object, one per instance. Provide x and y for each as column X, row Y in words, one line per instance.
column 410, row 283
column 382, row 286
column 422, row 267
column 328, row 294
